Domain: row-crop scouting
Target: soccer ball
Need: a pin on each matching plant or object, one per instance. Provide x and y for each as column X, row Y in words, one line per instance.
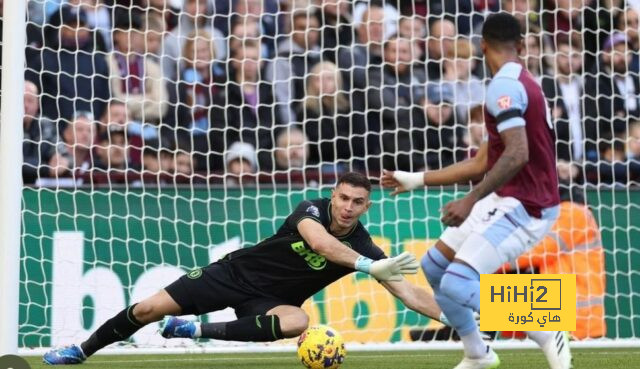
column 321, row 347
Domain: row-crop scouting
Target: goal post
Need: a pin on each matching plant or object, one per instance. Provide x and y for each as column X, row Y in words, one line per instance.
column 13, row 44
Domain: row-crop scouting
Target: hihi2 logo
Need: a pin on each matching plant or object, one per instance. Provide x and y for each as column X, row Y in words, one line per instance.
column 527, row 302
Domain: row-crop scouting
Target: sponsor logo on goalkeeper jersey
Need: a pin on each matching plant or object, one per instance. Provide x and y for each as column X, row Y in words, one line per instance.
column 315, row 261
column 528, row 302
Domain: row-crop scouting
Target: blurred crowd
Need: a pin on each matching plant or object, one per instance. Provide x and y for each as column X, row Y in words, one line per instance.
column 206, row 91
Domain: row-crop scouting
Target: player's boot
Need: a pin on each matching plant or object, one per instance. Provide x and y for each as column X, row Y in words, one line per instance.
column 65, row 356
column 489, row 361
column 173, row 327
column 557, row 351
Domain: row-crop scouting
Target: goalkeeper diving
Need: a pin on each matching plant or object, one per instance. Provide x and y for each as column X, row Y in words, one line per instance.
column 320, row 242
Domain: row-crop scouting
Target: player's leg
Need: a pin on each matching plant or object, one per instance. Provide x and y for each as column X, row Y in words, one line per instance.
column 130, row 320
column 504, row 241
column 154, row 308
column 458, row 299
column 216, row 288
column 192, row 293
column 259, row 320
column 461, row 286
column 122, row 326
column 435, row 261
column 504, row 234
column 461, row 315
column 458, row 316
column 293, row 320
column 282, row 321
column 438, row 258
column 504, row 231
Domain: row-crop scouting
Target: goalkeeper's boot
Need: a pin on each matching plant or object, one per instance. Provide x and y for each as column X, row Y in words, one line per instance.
column 65, row 356
column 557, row 351
column 173, row 327
column 489, row 361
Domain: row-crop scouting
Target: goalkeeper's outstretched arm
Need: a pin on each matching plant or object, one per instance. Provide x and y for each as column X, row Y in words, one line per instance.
column 468, row 170
column 415, row 298
column 323, row 243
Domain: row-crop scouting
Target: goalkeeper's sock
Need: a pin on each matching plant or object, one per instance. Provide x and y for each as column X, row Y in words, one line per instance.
column 260, row 328
column 118, row 328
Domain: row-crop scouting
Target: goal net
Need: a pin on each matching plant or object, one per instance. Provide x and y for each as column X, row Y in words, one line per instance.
column 161, row 135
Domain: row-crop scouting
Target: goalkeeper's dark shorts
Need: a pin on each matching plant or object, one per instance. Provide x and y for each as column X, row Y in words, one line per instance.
column 214, row 288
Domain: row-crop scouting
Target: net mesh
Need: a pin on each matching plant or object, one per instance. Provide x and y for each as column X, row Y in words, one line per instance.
column 160, row 135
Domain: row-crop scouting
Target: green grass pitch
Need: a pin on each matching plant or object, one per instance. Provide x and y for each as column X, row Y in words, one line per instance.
column 511, row 359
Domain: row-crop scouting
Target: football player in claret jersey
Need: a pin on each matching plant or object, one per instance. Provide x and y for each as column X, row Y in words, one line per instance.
column 512, row 207
column 320, row 242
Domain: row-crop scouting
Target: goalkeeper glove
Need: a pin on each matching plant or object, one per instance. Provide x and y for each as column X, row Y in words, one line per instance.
column 390, row 269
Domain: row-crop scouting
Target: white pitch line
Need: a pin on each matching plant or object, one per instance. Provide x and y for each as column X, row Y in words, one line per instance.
column 360, row 357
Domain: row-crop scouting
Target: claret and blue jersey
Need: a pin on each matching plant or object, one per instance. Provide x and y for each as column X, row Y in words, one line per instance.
column 515, row 99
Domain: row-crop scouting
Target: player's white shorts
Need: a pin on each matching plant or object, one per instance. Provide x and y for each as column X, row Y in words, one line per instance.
column 498, row 230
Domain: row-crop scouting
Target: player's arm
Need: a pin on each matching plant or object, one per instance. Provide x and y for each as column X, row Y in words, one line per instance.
column 506, row 101
column 514, row 157
column 324, row 244
column 464, row 171
column 414, row 297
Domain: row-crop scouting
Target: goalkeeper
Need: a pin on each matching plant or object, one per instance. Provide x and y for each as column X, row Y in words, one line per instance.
column 320, row 242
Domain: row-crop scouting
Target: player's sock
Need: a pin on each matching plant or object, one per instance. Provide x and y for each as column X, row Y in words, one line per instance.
column 118, row 328
column 458, row 290
column 461, row 318
column 461, row 283
column 434, row 264
column 260, row 328
column 474, row 346
column 540, row 337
